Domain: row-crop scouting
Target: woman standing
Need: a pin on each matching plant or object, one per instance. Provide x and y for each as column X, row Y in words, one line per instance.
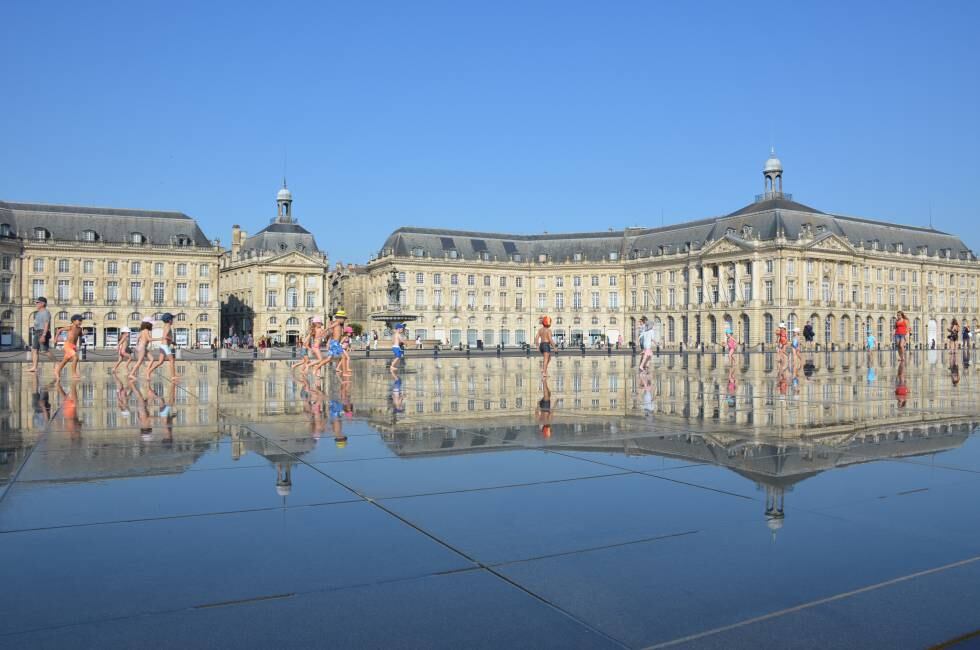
column 901, row 334
column 954, row 335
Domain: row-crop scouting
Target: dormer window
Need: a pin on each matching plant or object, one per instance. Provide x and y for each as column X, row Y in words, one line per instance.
column 613, row 256
column 576, row 257
column 137, row 238
column 543, row 257
column 418, row 252
column 821, row 228
column 183, row 240
column 42, row 234
column 485, row 256
column 90, row 235
column 746, row 231
column 453, row 254
column 875, row 244
column 517, row 257
column 899, row 247
column 6, row 230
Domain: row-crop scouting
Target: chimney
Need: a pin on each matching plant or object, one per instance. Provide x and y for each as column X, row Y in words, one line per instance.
column 236, row 246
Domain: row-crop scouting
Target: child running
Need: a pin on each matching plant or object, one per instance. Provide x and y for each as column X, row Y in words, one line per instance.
column 122, row 349
column 71, row 347
column 345, row 342
column 334, row 333
column 305, row 346
column 646, row 343
column 166, row 349
column 796, row 346
column 142, row 345
column 396, row 348
column 545, row 343
column 730, row 343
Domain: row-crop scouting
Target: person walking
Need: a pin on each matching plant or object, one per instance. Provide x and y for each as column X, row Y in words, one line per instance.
column 71, row 347
column 808, row 335
column 123, row 351
column 545, row 342
column 901, row 334
column 954, row 335
column 646, row 343
column 41, row 338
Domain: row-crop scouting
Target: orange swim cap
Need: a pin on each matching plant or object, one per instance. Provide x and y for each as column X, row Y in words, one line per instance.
column 546, row 321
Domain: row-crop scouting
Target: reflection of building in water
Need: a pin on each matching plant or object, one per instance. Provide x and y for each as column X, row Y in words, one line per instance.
column 692, row 391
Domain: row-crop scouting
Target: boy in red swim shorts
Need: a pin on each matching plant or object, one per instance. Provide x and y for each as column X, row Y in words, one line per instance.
column 71, row 347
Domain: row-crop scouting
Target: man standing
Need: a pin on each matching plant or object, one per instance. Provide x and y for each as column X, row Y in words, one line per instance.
column 41, row 339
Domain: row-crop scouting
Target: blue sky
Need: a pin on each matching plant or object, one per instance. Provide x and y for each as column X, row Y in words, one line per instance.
column 512, row 116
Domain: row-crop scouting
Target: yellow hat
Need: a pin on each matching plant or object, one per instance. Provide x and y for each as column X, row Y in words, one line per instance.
column 340, row 313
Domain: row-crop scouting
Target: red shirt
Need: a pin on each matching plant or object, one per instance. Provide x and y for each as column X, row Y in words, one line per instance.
column 902, row 327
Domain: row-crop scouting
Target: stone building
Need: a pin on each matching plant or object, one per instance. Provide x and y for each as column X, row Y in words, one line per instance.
column 772, row 260
column 275, row 281
column 113, row 266
column 347, row 285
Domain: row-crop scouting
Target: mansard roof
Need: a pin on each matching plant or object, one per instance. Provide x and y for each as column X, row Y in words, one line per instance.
column 113, row 225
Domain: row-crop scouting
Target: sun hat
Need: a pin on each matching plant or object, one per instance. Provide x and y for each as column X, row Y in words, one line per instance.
column 167, row 318
column 348, row 330
column 782, row 324
column 317, row 319
column 125, row 330
column 148, row 320
column 340, row 313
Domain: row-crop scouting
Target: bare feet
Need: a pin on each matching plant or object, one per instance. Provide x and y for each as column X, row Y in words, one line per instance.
column 32, row 370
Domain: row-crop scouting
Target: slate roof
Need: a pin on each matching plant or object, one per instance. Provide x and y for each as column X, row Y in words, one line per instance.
column 766, row 221
column 113, row 225
column 282, row 237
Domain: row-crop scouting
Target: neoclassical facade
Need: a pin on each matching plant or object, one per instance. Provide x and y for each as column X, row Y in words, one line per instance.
column 275, row 281
column 770, row 261
column 112, row 266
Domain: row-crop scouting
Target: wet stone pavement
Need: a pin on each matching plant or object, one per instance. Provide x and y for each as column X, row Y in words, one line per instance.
column 470, row 504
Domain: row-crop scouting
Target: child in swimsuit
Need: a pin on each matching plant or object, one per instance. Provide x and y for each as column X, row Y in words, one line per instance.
column 166, row 349
column 730, row 342
column 545, row 343
column 71, row 347
column 306, row 343
column 396, row 348
column 122, row 349
column 142, row 344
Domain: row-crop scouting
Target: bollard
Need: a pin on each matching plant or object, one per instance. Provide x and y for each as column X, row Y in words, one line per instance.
column 84, row 353
column 294, row 351
column 498, row 349
column 214, row 353
column 255, row 353
column 608, row 349
column 435, row 351
column 467, row 349
column 582, row 347
column 658, row 349
column 367, row 352
column 527, row 350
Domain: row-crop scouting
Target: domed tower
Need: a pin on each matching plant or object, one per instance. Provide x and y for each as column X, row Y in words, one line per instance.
column 284, row 204
column 773, row 175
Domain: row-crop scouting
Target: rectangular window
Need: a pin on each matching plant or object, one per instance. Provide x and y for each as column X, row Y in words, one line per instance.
column 503, row 281
column 5, row 262
column 310, row 299
column 204, row 294
column 825, row 290
column 419, row 298
column 112, row 292
column 768, row 288
column 595, row 300
column 112, row 268
column 503, row 300
column 64, row 290
column 559, row 301
column 454, row 298
column 39, row 265
column 181, row 295
column 437, row 298
column 613, row 300
column 62, row 266
column 656, row 297
column 841, row 294
column 612, row 280
column 559, row 282
column 809, row 267
column 670, row 297
column 271, row 296
column 790, row 290
column 486, row 280
column 519, row 302
column 135, row 291
column 542, row 301
column 158, row 268
column 454, row 278
column 769, row 266
column 5, row 285
column 471, row 300
column 577, row 281
column 810, row 291
column 158, row 293
column 420, row 278
column 595, row 280
column 37, row 288
column 867, row 296
column 577, row 300
column 471, row 280
column 204, row 270
column 135, row 268
column 791, row 266
column 88, row 266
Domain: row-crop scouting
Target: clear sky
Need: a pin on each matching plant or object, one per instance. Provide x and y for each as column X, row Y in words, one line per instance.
column 509, row 116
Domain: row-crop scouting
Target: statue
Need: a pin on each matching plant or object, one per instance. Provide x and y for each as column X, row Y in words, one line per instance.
column 394, row 290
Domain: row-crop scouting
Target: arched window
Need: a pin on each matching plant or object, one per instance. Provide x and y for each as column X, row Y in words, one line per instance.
column 670, row 329
column 767, row 320
column 292, row 297
column 7, row 315
column 745, row 329
column 137, row 238
column 712, row 329
column 135, row 316
column 202, row 318
column 881, row 329
column 88, row 316
column 62, row 315
column 181, row 317
column 90, row 235
column 111, row 316
column 791, row 323
column 845, row 326
column 857, row 329
column 612, row 321
column 915, row 330
column 273, row 320
column 828, row 329
column 292, row 322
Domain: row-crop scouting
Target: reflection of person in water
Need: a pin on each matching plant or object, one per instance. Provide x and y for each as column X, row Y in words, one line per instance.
column 646, row 385
column 336, row 423
column 166, row 413
column 313, row 405
column 69, row 409
column 396, row 402
column 543, row 412
column 42, row 404
column 901, row 386
column 732, row 386
column 954, row 368
column 142, row 410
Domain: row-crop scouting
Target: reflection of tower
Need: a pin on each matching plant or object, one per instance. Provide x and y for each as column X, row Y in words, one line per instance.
column 773, row 174
column 284, row 479
column 774, row 509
